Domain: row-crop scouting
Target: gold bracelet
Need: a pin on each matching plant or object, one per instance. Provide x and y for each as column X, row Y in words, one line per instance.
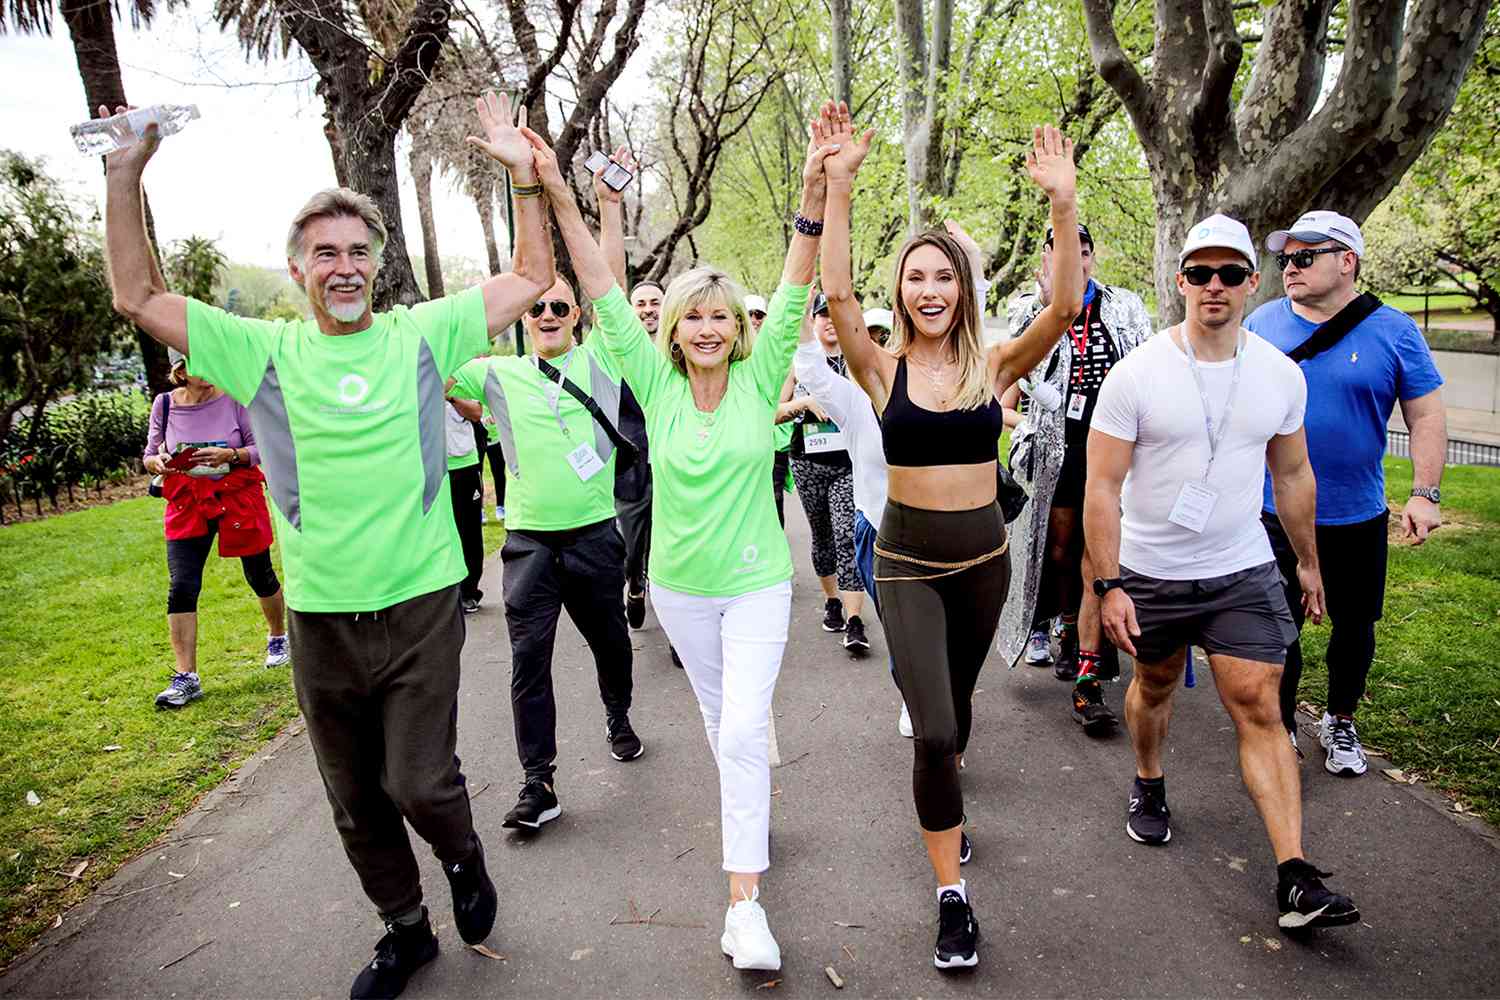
column 526, row 190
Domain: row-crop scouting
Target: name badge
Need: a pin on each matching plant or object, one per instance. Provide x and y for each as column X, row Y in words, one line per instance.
column 585, row 462
column 819, row 437
column 1076, row 402
column 1195, row 502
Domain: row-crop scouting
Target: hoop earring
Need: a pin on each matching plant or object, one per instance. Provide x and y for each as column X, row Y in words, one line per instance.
column 676, row 351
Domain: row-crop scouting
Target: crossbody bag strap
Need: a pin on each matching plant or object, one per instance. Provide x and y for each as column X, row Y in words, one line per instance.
column 1334, row 329
column 622, row 444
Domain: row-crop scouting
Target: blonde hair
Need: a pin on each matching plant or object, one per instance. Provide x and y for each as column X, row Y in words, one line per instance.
column 696, row 288
column 974, row 388
column 332, row 203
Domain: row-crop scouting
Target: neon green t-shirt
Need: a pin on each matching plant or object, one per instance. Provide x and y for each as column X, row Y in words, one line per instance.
column 542, row 492
column 714, row 530
column 351, row 436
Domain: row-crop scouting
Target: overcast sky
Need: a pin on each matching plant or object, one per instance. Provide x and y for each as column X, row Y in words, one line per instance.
column 238, row 174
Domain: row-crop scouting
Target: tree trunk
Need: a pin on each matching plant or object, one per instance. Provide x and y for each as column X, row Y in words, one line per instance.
column 843, row 79
column 92, row 28
column 484, row 204
column 421, row 173
column 1274, row 156
column 915, row 129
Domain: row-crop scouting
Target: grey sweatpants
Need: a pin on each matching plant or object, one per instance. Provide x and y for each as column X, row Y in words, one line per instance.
column 379, row 692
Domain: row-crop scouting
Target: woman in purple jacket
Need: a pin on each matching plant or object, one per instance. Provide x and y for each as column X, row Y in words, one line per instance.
column 199, row 418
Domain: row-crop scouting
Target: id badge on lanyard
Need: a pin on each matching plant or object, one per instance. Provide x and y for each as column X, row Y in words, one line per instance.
column 584, row 460
column 1196, row 499
column 1077, row 401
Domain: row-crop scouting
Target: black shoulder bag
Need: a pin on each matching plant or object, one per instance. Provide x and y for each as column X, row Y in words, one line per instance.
column 154, row 488
column 1331, row 332
column 627, row 450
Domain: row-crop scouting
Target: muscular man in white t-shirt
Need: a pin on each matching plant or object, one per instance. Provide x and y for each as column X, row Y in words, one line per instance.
column 1182, row 432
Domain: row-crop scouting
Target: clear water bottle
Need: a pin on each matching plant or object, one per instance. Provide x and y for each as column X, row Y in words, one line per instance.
column 98, row 136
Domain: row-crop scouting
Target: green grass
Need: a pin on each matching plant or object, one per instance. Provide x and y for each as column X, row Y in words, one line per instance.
column 1433, row 696
column 1465, row 341
column 83, row 651
column 1413, row 303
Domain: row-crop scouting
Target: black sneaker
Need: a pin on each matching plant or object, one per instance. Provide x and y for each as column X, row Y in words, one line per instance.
column 1065, row 668
column 958, row 934
column 854, row 637
column 1089, row 709
column 401, row 952
column 635, row 608
column 474, row 896
column 676, row 660
column 965, row 849
column 537, row 805
column 1304, row 901
column 624, row 744
column 833, row 615
column 471, row 605
column 1149, row 814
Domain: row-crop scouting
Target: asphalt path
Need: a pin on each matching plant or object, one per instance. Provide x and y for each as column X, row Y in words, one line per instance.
column 623, row 896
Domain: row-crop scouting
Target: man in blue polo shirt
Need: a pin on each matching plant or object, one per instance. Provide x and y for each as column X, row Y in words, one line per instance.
column 1358, row 365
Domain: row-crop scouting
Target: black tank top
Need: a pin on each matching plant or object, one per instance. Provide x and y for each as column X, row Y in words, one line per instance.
column 915, row 437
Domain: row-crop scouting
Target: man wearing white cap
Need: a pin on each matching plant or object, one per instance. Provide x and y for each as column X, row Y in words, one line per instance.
column 1359, row 358
column 878, row 323
column 755, row 305
column 1183, row 429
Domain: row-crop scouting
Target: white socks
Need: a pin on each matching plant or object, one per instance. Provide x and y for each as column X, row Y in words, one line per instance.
column 961, row 888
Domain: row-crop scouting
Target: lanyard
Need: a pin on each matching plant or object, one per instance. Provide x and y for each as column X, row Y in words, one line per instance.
column 1214, row 438
column 1081, row 344
column 552, row 391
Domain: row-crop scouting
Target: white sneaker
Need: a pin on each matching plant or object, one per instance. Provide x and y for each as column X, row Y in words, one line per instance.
column 1345, row 754
column 483, row 516
column 278, row 653
column 747, row 937
column 903, row 725
column 1038, row 649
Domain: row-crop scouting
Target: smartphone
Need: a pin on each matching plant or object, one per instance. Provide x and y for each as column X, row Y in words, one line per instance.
column 617, row 176
column 596, row 162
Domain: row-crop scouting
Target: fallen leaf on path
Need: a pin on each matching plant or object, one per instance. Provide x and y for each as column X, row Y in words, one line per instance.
column 833, row 977
column 57, row 922
column 234, row 904
column 1244, row 939
column 113, row 747
column 77, row 870
column 488, row 952
column 769, row 984
column 1237, row 864
column 1394, row 773
column 177, row 874
column 580, row 954
column 840, row 923
column 849, row 951
column 33, row 799
column 1271, row 944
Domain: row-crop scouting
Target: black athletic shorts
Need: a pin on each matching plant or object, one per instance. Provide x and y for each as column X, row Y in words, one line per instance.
column 1243, row 614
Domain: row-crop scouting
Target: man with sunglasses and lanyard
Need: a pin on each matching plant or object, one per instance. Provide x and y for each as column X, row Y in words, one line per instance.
column 562, row 551
column 1184, row 428
column 1359, row 357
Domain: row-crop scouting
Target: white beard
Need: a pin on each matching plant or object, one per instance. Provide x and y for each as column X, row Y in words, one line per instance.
column 350, row 312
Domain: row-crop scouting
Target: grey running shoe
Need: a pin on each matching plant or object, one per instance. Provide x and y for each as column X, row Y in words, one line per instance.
column 183, row 689
column 1038, row 649
column 1345, row 754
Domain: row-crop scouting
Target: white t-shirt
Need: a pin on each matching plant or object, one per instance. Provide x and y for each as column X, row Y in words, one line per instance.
column 849, row 407
column 1151, row 398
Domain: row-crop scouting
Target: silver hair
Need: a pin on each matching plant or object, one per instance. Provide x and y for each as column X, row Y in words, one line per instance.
column 332, row 203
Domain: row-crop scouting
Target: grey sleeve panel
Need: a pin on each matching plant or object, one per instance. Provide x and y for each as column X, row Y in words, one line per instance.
column 278, row 452
column 494, row 395
column 606, row 393
column 430, row 421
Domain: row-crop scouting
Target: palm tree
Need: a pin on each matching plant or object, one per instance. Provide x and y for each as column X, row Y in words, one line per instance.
column 91, row 24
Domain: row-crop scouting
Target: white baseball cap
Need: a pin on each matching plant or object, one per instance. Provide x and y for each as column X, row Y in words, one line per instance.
column 1219, row 231
column 878, row 317
column 755, row 304
column 1315, row 227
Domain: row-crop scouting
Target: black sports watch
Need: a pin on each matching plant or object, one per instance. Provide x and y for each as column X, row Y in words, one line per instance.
column 1428, row 493
column 1103, row 586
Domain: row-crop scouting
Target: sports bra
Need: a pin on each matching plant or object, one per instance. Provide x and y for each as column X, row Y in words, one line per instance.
column 914, row 437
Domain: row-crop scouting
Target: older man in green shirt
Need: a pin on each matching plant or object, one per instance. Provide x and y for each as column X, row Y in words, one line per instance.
column 348, row 408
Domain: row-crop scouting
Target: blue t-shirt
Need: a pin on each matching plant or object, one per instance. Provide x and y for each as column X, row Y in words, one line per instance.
column 1351, row 389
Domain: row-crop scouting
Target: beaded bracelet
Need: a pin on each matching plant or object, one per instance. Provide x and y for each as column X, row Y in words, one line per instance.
column 526, row 190
column 806, row 226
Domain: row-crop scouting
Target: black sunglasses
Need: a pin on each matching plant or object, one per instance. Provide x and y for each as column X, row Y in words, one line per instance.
column 1232, row 275
column 559, row 308
column 1303, row 258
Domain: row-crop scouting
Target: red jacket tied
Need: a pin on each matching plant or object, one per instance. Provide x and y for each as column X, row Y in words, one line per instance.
column 237, row 501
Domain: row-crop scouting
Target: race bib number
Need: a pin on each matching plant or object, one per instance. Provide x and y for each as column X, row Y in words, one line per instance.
column 1195, row 503
column 821, row 437
column 585, row 462
column 1076, row 403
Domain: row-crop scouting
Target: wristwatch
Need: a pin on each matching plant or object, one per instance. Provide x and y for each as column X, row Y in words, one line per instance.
column 1103, row 586
column 1428, row 493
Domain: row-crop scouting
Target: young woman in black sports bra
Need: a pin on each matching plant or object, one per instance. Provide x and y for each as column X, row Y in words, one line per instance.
column 941, row 566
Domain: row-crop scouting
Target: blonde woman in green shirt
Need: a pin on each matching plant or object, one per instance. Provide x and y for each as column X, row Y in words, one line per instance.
column 720, row 568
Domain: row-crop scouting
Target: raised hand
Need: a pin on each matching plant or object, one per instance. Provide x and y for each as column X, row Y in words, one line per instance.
column 548, row 170
column 132, row 158
column 819, row 146
column 502, row 140
column 852, row 147
column 1050, row 162
column 602, row 190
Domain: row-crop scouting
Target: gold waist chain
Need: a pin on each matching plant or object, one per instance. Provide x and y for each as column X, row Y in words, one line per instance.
column 948, row 568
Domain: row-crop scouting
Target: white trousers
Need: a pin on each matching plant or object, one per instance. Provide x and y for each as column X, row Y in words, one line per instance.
column 731, row 649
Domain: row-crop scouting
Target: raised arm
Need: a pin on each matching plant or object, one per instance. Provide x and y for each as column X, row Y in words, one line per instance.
column 612, row 218
column 868, row 365
column 140, row 295
column 1050, row 164
column 511, row 293
column 589, row 261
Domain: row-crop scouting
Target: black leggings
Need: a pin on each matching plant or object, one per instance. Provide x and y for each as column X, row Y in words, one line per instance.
column 939, row 627
column 186, row 558
column 496, row 456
